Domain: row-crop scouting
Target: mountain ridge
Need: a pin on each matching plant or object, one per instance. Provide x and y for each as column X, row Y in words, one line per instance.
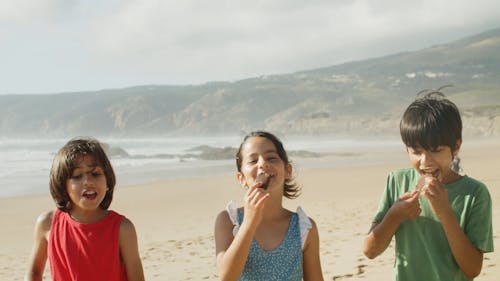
column 363, row 97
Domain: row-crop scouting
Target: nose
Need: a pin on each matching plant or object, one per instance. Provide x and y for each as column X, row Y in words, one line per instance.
column 425, row 157
column 262, row 162
column 87, row 179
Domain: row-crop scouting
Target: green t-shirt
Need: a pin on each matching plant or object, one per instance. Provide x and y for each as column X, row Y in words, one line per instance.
column 422, row 249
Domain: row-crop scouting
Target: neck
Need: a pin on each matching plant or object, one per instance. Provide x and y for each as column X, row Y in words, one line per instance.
column 451, row 178
column 83, row 216
column 274, row 211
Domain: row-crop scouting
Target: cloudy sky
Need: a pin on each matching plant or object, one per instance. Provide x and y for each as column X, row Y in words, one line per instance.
column 49, row 46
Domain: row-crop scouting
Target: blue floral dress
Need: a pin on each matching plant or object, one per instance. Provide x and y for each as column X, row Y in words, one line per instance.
column 282, row 263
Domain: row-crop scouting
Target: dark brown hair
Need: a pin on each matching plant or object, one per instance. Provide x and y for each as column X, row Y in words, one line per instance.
column 431, row 121
column 291, row 189
column 65, row 162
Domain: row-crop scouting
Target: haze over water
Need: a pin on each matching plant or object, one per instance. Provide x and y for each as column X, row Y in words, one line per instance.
column 26, row 163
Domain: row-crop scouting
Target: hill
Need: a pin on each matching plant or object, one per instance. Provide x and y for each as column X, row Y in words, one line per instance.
column 361, row 98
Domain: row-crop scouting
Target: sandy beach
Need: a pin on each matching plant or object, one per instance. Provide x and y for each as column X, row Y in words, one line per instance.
column 174, row 218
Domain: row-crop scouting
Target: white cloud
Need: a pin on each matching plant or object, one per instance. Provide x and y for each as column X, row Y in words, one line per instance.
column 117, row 43
column 30, row 11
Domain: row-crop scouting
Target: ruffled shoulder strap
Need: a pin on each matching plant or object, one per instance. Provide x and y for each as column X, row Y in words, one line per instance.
column 304, row 224
column 232, row 211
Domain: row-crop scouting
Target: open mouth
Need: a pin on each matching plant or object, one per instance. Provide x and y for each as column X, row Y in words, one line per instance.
column 89, row 195
column 264, row 178
column 431, row 173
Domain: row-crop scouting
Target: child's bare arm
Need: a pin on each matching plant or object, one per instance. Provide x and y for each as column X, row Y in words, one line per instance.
column 38, row 257
column 232, row 252
column 129, row 251
column 380, row 235
column 467, row 256
column 312, row 263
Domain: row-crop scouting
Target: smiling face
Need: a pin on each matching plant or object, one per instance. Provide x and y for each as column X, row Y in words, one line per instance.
column 434, row 163
column 259, row 156
column 86, row 185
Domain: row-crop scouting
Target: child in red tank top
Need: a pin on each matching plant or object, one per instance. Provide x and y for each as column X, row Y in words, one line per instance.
column 82, row 239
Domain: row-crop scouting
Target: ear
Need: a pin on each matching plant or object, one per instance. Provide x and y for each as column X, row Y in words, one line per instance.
column 288, row 171
column 457, row 147
column 242, row 180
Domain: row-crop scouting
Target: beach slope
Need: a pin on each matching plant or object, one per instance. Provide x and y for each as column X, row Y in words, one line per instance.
column 174, row 218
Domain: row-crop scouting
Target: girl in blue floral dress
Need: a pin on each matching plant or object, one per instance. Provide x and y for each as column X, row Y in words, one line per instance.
column 263, row 240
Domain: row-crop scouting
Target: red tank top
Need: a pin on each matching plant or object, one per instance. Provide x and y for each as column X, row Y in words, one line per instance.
column 85, row 252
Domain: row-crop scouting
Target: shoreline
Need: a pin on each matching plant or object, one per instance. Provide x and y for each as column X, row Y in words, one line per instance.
column 337, row 152
column 145, row 174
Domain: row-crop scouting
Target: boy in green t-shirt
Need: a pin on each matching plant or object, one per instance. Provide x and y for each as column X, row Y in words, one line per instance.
column 441, row 219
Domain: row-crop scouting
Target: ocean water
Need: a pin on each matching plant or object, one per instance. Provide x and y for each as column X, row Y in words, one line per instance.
column 25, row 163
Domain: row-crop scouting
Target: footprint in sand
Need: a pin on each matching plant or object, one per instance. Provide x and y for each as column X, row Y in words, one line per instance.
column 361, row 269
column 338, row 277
